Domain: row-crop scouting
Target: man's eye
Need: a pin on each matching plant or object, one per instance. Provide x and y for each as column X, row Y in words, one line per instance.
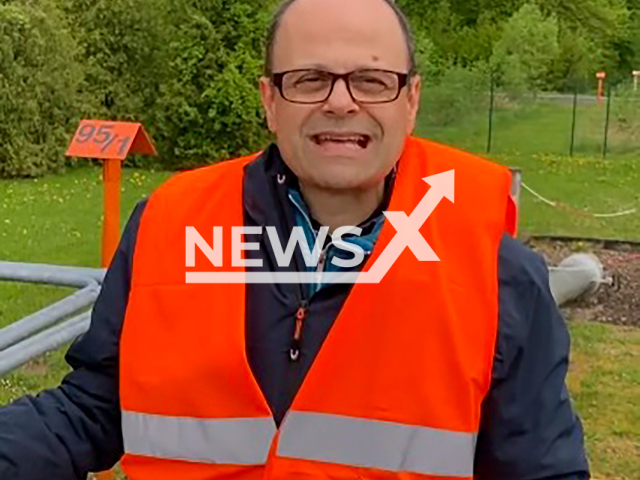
column 310, row 79
column 372, row 81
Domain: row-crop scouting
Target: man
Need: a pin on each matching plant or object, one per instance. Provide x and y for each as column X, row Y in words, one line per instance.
column 452, row 368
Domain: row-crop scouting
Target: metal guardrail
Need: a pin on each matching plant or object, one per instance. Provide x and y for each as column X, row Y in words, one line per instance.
column 55, row 324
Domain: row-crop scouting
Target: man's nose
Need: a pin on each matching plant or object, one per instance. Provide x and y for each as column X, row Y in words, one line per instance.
column 340, row 101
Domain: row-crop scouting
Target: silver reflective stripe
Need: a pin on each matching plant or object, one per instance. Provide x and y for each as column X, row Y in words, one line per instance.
column 377, row 444
column 236, row 441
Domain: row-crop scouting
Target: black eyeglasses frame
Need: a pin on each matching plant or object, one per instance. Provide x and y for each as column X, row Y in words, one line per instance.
column 277, row 81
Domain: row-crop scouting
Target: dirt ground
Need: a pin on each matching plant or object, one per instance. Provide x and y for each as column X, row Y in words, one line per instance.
column 618, row 303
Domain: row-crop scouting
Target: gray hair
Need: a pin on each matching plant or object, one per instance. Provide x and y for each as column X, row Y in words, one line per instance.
column 276, row 21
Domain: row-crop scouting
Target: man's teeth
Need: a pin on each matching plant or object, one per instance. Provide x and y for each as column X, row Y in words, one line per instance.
column 328, row 138
column 361, row 140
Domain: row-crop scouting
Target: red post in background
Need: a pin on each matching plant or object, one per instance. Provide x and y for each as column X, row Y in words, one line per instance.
column 600, row 93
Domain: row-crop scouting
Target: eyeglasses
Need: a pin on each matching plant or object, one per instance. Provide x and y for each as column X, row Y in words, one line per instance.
column 315, row 86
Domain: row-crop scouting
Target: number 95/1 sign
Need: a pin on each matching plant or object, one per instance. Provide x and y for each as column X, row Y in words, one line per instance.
column 110, row 140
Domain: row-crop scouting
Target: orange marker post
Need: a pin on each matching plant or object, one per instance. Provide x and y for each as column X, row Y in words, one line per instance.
column 600, row 94
column 111, row 142
column 111, row 229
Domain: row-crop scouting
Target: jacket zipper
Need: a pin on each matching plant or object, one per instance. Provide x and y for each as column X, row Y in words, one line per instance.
column 321, row 263
column 301, row 315
column 301, row 312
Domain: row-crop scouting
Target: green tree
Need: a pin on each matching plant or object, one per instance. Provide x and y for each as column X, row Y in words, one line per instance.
column 527, row 47
column 124, row 46
column 41, row 79
column 210, row 108
column 577, row 58
column 592, row 34
column 602, row 27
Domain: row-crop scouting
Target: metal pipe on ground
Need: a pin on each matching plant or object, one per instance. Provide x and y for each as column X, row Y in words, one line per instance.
column 578, row 275
column 50, row 339
column 17, row 331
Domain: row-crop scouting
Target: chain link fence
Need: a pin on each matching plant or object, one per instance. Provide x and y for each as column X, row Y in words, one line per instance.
column 468, row 110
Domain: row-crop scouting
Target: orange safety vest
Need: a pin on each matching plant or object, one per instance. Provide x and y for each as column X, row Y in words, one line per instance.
column 397, row 387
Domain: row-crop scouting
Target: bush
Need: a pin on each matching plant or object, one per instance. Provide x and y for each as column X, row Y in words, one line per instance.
column 40, row 80
column 526, row 50
column 459, row 92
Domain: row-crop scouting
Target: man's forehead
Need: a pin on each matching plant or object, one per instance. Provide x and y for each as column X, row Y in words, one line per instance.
column 315, row 31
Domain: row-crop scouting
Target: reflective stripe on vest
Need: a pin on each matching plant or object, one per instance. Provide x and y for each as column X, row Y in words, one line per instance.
column 356, row 442
column 377, row 444
column 239, row 441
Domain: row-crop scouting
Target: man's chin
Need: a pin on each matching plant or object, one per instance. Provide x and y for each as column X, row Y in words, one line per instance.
column 342, row 180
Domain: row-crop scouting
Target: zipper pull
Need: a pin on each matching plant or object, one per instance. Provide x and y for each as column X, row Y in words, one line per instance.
column 301, row 314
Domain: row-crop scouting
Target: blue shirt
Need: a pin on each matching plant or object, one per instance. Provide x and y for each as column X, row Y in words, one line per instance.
column 366, row 240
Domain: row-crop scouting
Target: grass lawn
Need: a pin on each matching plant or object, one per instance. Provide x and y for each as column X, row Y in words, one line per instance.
column 604, row 380
column 56, row 219
column 581, row 186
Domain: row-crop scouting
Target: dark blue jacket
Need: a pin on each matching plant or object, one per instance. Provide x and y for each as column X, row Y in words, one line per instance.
column 528, row 429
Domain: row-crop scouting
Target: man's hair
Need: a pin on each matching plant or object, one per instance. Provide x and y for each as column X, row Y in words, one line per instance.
column 276, row 21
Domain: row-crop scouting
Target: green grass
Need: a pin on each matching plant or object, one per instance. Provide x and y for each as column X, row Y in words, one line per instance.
column 604, row 381
column 57, row 219
column 582, row 186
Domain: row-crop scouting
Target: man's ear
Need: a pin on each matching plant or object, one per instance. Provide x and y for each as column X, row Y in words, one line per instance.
column 268, row 96
column 413, row 97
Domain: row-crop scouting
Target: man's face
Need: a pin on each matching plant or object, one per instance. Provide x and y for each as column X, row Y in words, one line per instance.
column 340, row 36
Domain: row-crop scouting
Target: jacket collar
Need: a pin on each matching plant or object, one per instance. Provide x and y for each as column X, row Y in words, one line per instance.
column 272, row 193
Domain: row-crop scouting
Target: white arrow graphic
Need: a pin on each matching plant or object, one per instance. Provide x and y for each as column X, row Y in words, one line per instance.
column 408, row 228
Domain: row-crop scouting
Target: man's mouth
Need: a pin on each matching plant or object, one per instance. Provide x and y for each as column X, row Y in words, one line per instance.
column 354, row 139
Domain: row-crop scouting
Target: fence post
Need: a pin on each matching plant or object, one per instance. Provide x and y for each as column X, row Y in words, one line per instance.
column 573, row 122
column 490, row 114
column 606, row 124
